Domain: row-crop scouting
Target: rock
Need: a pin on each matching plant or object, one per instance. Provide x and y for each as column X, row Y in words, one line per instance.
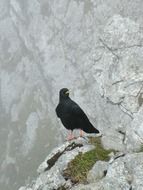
column 116, row 79
column 25, row 188
column 120, row 33
column 123, row 171
column 51, row 170
column 134, row 137
column 113, row 140
column 52, row 158
column 22, row 188
column 91, row 186
column 123, row 174
column 122, row 81
column 98, row 171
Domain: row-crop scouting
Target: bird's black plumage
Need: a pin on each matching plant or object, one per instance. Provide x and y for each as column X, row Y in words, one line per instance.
column 71, row 115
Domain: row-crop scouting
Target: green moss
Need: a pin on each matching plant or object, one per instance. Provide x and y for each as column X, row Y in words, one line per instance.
column 140, row 100
column 141, row 149
column 78, row 168
column 62, row 188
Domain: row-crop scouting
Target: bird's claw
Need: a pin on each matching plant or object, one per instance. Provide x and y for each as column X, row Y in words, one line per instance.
column 71, row 138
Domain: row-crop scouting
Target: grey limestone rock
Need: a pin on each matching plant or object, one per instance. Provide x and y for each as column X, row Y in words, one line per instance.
column 134, row 138
column 98, row 171
column 113, row 140
column 112, row 75
column 51, row 170
column 125, row 173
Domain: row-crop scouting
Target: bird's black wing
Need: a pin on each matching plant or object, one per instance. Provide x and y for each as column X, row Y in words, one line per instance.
column 58, row 110
column 82, row 119
column 77, row 111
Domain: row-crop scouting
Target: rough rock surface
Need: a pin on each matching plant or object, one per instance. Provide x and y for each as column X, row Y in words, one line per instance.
column 98, row 171
column 121, row 172
column 51, row 170
column 116, row 67
column 124, row 173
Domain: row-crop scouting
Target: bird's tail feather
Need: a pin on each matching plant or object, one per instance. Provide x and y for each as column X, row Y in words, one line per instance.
column 90, row 129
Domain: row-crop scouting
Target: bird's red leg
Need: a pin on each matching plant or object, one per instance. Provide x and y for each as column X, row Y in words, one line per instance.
column 70, row 136
column 81, row 133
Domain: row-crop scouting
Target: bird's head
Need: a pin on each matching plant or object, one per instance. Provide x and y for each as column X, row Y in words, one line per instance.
column 64, row 93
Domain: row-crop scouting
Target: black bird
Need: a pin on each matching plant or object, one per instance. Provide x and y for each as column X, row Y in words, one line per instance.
column 72, row 116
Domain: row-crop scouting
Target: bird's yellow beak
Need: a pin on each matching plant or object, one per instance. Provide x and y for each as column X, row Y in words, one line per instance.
column 67, row 92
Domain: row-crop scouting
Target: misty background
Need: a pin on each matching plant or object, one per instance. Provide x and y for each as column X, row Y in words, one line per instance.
column 47, row 45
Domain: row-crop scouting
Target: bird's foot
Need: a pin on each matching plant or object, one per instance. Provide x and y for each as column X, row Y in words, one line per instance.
column 71, row 138
column 81, row 133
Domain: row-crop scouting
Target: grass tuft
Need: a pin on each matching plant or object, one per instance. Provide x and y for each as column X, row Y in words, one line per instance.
column 141, row 148
column 78, row 168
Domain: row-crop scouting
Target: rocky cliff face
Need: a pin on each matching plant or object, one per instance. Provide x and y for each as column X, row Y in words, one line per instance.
column 115, row 65
column 69, row 167
column 92, row 47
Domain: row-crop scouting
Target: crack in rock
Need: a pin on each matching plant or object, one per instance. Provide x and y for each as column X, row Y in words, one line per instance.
column 51, row 162
column 126, row 111
column 105, row 172
column 119, row 155
column 109, row 48
column 115, row 103
column 119, row 48
column 116, row 82
column 124, row 135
